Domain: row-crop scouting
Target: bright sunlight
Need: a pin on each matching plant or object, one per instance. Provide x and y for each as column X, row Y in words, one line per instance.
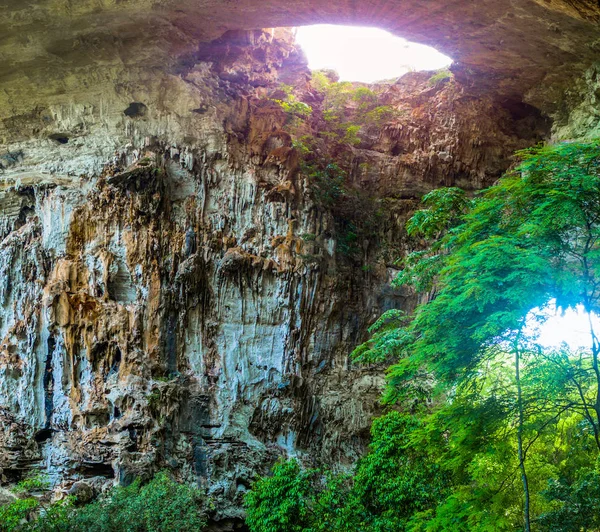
column 365, row 54
column 571, row 327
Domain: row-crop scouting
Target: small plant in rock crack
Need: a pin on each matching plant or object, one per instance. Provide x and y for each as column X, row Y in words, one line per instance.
column 440, row 77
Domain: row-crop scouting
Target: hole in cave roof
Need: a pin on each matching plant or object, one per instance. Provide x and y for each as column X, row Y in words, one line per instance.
column 365, row 54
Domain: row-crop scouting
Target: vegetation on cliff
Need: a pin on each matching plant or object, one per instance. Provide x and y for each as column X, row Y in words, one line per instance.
column 324, row 135
column 487, row 429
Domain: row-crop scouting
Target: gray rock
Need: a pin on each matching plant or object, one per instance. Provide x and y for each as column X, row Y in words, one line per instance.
column 6, row 497
column 82, row 491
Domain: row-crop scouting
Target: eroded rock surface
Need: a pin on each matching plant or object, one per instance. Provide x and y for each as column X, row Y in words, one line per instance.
column 62, row 51
column 174, row 294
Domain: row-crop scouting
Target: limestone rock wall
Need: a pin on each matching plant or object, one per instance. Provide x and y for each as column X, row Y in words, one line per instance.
column 172, row 294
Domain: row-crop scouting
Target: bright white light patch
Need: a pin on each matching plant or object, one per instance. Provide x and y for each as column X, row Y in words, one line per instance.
column 365, row 54
column 572, row 327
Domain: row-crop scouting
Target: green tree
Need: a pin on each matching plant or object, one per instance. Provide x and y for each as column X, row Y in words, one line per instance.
column 281, row 502
column 530, row 239
column 398, row 477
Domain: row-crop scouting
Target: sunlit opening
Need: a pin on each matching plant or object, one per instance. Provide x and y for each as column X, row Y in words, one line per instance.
column 571, row 327
column 365, row 54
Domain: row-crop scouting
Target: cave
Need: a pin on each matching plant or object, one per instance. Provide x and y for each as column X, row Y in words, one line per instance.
column 176, row 181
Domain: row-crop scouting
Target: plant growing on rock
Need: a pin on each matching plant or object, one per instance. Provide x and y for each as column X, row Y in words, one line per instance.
column 354, row 215
column 346, row 109
column 394, row 480
column 291, row 105
column 35, row 482
column 441, row 76
column 14, row 515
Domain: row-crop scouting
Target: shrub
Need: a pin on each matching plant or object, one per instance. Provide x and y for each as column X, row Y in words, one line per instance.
column 396, row 479
column 279, row 503
column 35, row 482
column 161, row 504
column 295, row 108
column 14, row 514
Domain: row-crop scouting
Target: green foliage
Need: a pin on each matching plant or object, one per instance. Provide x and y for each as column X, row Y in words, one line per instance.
column 364, row 96
column 445, row 207
column 58, row 517
column 532, row 238
column 295, row 108
column 351, row 135
column 354, row 215
column 576, row 505
column 347, row 109
column 36, row 482
column 288, row 89
column 441, row 76
column 387, row 339
column 483, row 405
column 394, row 480
column 161, row 504
column 321, row 79
column 326, row 155
column 279, row 503
column 154, row 400
column 517, row 246
column 398, row 477
column 291, row 105
column 13, row 515
column 303, row 145
column 380, row 114
column 328, row 183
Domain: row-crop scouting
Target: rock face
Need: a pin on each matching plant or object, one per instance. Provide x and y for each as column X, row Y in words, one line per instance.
column 173, row 292
column 177, row 288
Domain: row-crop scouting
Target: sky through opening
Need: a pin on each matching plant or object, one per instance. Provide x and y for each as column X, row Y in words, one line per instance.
column 571, row 327
column 365, row 54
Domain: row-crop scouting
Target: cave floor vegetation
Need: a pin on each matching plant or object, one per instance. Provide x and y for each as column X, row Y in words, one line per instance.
column 160, row 504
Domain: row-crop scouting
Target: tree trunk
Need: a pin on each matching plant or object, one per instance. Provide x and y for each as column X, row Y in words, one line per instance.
column 526, row 518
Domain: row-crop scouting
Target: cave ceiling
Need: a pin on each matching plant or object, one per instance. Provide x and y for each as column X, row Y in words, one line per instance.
column 66, row 50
